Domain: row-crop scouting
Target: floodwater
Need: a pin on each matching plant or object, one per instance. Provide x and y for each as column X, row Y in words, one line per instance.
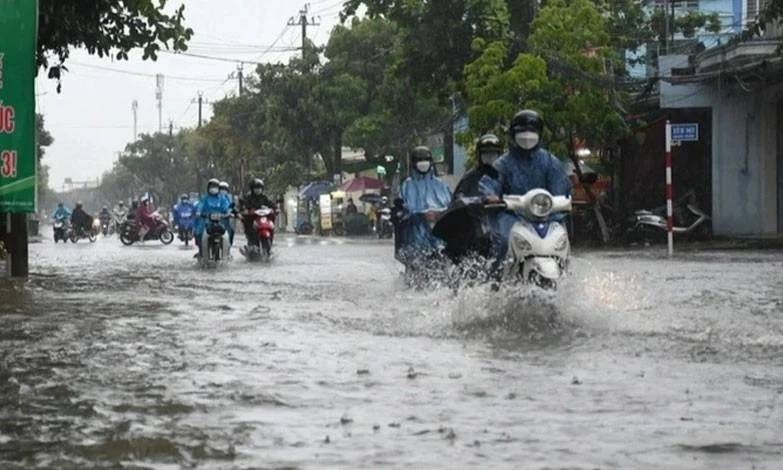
column 131, row 357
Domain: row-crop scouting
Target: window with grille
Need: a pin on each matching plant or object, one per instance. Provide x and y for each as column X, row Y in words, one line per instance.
column 679, row 4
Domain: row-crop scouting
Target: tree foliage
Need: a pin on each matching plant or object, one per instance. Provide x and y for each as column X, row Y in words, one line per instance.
column 106, row 28
column 43, row 139
column 563, row 76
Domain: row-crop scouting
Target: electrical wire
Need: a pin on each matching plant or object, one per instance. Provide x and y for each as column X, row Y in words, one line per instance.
column 141, row 74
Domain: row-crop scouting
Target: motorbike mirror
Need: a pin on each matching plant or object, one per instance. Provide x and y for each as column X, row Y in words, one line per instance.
column 589, row 178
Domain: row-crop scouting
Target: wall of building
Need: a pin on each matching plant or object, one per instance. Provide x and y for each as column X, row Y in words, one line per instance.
column 744, row 152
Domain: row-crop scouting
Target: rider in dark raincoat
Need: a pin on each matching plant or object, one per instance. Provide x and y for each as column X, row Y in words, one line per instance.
column 526, row 166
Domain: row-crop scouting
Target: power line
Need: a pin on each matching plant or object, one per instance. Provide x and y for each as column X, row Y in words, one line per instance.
column 304, row 23
column 222, row 59
column 142, row 74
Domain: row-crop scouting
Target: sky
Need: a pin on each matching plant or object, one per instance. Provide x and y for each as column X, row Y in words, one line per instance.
column 91, row 120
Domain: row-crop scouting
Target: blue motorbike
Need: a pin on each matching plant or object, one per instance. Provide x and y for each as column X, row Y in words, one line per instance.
column 185, row 226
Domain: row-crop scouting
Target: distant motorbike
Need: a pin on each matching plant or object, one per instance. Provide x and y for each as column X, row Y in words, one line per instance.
column 61, row 229
column 385, row 225
column 185, row 227
column 129, row 235
column 83, row 233
column 688, row 219
column 214, row 243
column 106, row 228
column 264, row 225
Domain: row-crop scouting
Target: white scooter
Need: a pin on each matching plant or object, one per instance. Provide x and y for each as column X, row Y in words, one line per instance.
column 539, row 251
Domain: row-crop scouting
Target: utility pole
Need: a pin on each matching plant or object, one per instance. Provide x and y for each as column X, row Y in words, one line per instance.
column 159, row 97
column 304, row 23
column 200, row 100
column 238, row 75
column 135, row 108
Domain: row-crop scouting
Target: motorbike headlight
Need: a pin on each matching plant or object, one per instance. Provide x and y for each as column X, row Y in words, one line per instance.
column 562, row 242
column 541, row 205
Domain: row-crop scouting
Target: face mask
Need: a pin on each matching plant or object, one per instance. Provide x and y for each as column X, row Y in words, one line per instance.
column 214, row 191
column 257, row 191
column 526, row 140
column 488, row 158
column 423, row 166
column 223, row 192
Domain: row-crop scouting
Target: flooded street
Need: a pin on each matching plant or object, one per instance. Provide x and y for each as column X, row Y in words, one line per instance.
column 131, row 357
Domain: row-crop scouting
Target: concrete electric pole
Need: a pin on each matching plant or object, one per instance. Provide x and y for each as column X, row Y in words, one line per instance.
column 304, row 23
column 159, row 97
column 135, row 108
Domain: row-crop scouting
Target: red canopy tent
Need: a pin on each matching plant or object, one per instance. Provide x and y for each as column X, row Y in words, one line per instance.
column 363, row 183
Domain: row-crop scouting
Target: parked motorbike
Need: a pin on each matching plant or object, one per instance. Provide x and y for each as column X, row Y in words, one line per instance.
column 688, row 220
column 215, row 243
column 129, row 235
column 61, row 229
column 264, row 225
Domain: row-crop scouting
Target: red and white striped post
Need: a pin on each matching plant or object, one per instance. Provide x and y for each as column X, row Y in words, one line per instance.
column 669, row 208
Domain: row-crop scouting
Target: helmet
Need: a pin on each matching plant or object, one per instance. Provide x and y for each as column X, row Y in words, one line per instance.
column 120, row 203
column 384, row 200
column 257, row 185
column 79, row 204
column 105, row 208
column 489, row 143
column 421, row 153
column 526, row 120
column 184, row 197
column 213, row 184
column 223, row 186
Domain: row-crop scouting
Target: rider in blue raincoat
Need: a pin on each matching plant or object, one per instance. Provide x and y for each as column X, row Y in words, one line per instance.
column 227, row 223
column 526, row 166
column 62, row 212
column 422, row 193
column 209, row 203
column 184, row 213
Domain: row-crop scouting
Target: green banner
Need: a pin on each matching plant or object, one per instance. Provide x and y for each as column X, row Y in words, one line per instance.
column 18, row 39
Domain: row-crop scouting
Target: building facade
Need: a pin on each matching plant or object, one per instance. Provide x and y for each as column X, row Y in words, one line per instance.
column 742, row 85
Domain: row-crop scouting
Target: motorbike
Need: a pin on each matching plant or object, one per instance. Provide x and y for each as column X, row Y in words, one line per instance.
column 423, row 266
column 129, row 235
column 61, row 229
column 385, row 226
column 264, row 225
column 185, row 227
column 106, row 227
column 84, row 233
column 214, row 243
column 539, row 250
column 688, row 219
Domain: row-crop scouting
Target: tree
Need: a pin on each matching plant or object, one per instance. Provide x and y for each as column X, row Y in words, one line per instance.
column 771, row 14
column 106, row 27
column 43, row 139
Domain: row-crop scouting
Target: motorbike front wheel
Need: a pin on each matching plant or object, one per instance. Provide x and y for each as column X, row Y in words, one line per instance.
column 266, row 246
column 166, row 237
column 126, row 239
column 92, row 237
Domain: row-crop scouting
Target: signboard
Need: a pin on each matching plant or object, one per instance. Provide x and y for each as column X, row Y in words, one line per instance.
column 18, row 38
column 325, row 204
column 685, row 132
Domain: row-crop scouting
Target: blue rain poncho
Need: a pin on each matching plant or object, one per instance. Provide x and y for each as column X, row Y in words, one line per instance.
column 519, row 172
column 421, row 193
column 208, row 204
column 62, row 212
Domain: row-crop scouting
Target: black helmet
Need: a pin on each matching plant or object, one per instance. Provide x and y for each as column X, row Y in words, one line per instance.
column 489, row 143
column 256, row 183
column 421, row 153
column 526, row 120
